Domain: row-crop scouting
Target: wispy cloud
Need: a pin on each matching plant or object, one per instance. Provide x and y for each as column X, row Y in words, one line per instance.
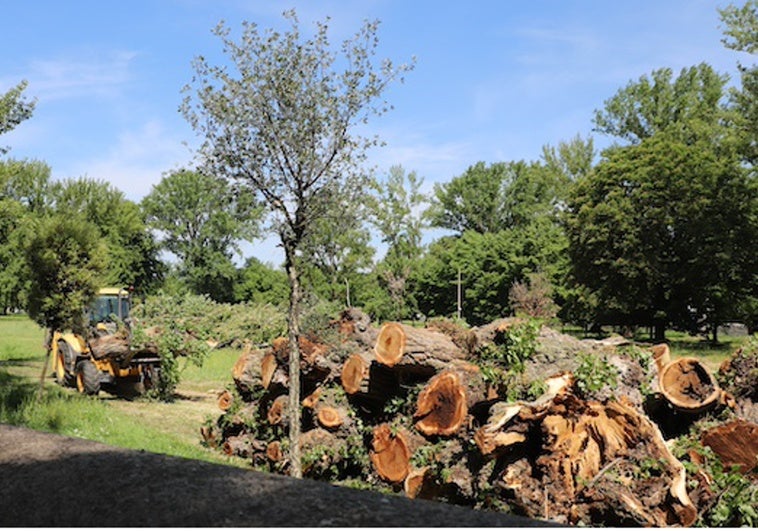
column 90, row 74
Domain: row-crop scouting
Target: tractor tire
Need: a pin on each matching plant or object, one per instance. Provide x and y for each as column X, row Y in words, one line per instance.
column 87, row 378
column 66, row 360
column 152, row 377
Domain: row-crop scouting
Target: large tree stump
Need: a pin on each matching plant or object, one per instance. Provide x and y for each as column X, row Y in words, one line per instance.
column 390, row 454
column 417, row 350
column 688, row 385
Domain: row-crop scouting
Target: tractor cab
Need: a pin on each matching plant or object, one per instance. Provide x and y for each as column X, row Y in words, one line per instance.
column 110, row 307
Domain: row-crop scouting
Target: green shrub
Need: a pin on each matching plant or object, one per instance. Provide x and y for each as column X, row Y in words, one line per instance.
column 594, row 373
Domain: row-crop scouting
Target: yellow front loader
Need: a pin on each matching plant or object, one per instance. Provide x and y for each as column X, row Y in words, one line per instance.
column 104, row 356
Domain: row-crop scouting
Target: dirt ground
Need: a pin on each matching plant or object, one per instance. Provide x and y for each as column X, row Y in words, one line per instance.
column 54, row 481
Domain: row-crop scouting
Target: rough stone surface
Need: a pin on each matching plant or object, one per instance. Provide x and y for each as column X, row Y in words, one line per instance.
column 49, row 480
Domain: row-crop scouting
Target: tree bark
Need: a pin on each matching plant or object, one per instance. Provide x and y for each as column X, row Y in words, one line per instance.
column 247, row 371
column 293, row 325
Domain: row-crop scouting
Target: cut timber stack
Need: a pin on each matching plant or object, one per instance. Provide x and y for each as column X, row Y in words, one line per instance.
column 413, row 410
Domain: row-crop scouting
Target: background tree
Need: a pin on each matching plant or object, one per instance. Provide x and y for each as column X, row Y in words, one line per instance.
column 24, row 198
column 688, row 106
column 132, row 251
column 664, row 233
column 201, row 220
column 397, row 212
column 14, row 109
column 338, row 249
column 259, row 282
column 282, row 126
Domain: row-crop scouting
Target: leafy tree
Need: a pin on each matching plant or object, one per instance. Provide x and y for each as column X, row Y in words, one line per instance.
column 502, row 196
column 201, row 220
column 282, row 127
column 13, row 224
column 337, row 250
column 742, row 35
column 259, row 282
column 132, row 251
column 570, row 160
column 14, row 109
column 65, row 259
column 397, row 212
column 489, row 265
column 24, row 197
column 664, row 232
column 689, row 106
column 472, row 201
column 28, row 182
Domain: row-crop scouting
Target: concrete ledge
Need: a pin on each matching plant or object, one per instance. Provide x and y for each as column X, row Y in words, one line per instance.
column 49, row 480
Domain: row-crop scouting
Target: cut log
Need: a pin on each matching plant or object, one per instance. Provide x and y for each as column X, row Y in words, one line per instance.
column 329, row 418
column 247, row 371
column 110, row 347
column 354, row 375
column 688, row 385
column 736, row 444
column 418, row 350
column 442, row 405
column 240, row 446
column 390, row 454
column 355, row 325
column 415, row 482
column 225, row 400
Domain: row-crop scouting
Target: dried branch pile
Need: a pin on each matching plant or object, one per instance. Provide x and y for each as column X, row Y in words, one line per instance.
column 422, row 411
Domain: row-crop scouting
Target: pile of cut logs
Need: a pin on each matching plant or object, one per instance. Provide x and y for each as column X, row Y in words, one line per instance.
column 410, row 410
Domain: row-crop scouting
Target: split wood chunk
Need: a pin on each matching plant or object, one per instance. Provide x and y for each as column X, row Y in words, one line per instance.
column 225, row 400
column 274, row 451
column 277, row 411
column 441, row 407
column 415, row 482
column 420, row 350
column 268, row 367
column 390, row 454
column 688, row 385
column 311, row 400
column 354, row 374
column 661, row 356
column 209, row 436
column 736, row 444
column 329, row 418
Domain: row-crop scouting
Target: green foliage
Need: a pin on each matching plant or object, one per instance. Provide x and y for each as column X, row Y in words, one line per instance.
column 14, row 109
column 594, row 373
column 186, row 323
column 65, row 259
column 503, row 362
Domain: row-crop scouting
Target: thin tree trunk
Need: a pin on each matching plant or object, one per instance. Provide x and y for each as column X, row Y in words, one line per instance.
column 293, row 319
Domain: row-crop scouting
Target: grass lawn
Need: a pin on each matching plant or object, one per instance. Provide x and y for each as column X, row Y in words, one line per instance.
column 169, row 428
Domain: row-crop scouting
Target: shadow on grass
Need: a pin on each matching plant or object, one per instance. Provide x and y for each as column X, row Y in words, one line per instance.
column 16, row 393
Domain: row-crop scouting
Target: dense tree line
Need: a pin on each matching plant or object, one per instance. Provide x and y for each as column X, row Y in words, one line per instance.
column 658, row 230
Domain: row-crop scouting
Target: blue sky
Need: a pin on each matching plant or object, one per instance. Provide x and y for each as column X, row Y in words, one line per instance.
column 494, row 80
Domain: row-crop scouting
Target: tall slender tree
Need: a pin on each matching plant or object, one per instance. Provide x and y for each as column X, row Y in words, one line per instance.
column 282, row 126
